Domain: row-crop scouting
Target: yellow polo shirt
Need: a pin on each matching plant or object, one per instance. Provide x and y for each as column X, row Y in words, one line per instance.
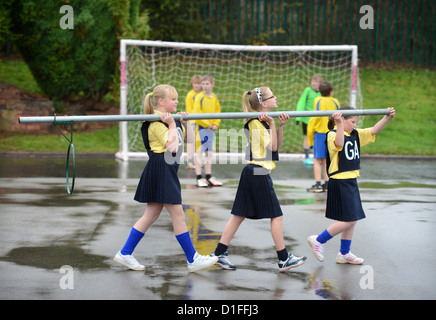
column 205, row 104
column 189, row 101
column 158, row 135
column 259, row 141
column 319, row 124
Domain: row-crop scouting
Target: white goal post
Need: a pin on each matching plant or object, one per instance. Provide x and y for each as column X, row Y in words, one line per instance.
column 287, row 70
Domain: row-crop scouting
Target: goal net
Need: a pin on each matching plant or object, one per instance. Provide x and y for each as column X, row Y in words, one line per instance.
column 287, row 70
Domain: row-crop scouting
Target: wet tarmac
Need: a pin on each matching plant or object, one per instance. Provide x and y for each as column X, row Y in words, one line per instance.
column 59, row 246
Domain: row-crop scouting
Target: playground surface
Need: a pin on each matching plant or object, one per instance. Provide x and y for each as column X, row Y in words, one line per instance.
column 57, row 246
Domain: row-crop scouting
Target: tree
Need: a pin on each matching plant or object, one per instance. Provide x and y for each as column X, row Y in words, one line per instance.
column 78, row 61
column 177, row 20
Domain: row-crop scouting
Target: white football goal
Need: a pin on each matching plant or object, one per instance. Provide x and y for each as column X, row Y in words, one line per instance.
column 287, row 70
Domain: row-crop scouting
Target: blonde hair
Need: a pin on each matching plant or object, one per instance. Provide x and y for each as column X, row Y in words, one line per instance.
column 161, row 91
column 208, row 77
column 317, row 77
column 195, row 79
column 252, row 101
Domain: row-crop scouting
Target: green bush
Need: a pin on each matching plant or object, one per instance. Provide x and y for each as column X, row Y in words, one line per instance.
column 77, row 62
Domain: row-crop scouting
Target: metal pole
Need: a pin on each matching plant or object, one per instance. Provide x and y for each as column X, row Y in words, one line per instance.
column 354, row 70
column 124, row 144
column 197, row 116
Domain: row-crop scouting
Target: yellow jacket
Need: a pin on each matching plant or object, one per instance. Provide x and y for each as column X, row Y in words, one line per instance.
column 205, row 104
column 189, row 101
column 319, row 124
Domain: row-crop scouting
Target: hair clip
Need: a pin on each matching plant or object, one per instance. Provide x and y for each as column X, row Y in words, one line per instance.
column 249, row 93
column 259, row 95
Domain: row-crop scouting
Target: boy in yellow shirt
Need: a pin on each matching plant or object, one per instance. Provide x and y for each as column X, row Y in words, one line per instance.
column 189, row 107
column 305, row 103
column 316, row 134
column 206, row 102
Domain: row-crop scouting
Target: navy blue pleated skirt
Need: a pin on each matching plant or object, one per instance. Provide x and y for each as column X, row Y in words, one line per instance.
column 343, row 200
column 255, row 197
column 159, row 182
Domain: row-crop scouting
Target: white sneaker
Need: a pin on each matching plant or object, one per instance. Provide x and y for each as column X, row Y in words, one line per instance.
column 317, row 248
column 129, row 261
column 214, row 182
column 202, row 183
column 348, row 258
column 201, row 262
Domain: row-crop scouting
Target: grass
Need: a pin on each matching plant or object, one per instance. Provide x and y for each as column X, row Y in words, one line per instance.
column 411, row 92
column 18, row 74
column 100, row 141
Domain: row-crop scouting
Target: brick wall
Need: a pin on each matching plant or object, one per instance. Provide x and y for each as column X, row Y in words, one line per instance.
column 15, row 103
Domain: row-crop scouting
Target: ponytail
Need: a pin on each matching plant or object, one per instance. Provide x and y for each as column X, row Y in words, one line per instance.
column 331, row 124
column 245, row 106
column 148, row 107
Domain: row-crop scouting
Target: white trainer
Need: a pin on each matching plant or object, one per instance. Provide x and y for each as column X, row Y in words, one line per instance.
column 128, row 261
column 317, row 248
column 202, row 183
column 348, row 258
column 214, row 182
column 201, row 262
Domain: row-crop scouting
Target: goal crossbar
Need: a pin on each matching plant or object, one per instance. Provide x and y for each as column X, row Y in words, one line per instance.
column 198, row 46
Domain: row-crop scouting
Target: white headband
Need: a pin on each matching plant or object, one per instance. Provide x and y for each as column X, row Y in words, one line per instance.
column 259, row 95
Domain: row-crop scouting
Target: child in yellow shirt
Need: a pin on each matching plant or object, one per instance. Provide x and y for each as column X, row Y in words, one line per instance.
column 305, row 103
column 316, row 134
column 343, row 199
column 206, row 102
column 256, row 198
column 159, row 185
column 189, row 107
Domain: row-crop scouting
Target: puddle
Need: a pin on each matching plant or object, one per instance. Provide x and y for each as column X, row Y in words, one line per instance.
column 52, row 196
column 54, row 257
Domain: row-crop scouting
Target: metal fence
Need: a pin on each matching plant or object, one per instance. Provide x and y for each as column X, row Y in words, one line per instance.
column 398, row 31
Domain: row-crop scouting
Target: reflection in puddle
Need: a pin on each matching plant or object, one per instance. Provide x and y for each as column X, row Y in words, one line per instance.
column 204, row 240
column 321, row 287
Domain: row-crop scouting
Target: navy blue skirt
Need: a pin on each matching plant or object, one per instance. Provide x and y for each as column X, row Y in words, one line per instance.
column 256, row 198
column 159, row 182
column 343, row 200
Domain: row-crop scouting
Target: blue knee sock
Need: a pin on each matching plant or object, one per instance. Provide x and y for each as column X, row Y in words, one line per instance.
column 324, row 237
column 185, row 242
column 345, row 246
column 134, row 237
